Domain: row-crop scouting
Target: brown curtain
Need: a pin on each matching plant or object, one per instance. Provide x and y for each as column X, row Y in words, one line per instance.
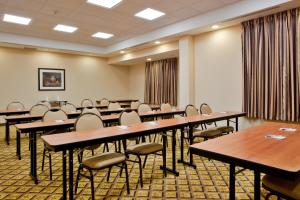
column 271, row 66
column 161, row 81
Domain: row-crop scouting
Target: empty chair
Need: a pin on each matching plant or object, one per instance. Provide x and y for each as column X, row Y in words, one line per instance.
column 134, row 105
column 52, row 115
column 205, row 109
column 68, row 108
column 282, row 188
column 46, row 103
column 142, row 149
column 144, row 108
column 38, row 109
column 15, row 105
column 90, row 121
column 87, row 103
column 91, row 110
column 166, row 107
column 104, row 102
column 208, row 133
column 114, row 106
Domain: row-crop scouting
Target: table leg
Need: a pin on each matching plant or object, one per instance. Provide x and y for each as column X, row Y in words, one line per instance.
column 256, row 185
column 181, row 146
column 34, row 158
column 190, row 163
column 7, row 132
column 64, row 159
column 236, row 124
column 227, row 122
column 31, row 154
column 232, row 182
column 71, row 174
column 18, row 138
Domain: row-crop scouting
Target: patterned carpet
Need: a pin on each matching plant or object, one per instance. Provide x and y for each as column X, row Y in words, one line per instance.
column 209, row 181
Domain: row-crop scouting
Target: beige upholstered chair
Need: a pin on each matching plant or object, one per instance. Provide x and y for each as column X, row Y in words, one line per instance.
column 205, row 109
column 87, row 103
column 208, row 133
column 91, row 110
column 142, row 149
column 104, row 102
column 144, row 108
column 166, row 107
column 114, row 106
column 134, row 105
column 46, row 103
column 38, row 109
column 90, row 121
column 49, row 116
column 282, row 188
column 15, row 105
column 68, row 108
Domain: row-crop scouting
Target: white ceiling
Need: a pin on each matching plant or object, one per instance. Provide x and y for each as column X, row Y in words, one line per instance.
column 119, row 20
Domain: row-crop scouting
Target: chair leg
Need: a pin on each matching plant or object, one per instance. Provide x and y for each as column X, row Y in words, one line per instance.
column 145, row 160
column 141, row 174
column 93, row 152
column 108, row 174
column 127, row 179
column 92, row 184
column 43, row 161
column 77, row 178
column 50, row 166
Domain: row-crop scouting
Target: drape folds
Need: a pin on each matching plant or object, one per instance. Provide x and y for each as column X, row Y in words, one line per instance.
column 271, row 62
column 161, row 81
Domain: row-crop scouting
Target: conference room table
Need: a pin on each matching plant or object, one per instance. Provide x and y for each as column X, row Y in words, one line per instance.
column 202, row 119
column 67, row 142
column 271, row 148
column 34, row 127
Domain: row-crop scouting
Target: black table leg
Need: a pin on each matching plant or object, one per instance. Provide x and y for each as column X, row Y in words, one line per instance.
column 164, row 137
column 71, row 174
column 236, row 124
column 18, row 141
column 64, row 159
column 256, row 185
column 34, row 158
column 227, row 122
column 190, row 134
column 181, row 146
column 232, row 182
column 31, row 155
column 7, row 132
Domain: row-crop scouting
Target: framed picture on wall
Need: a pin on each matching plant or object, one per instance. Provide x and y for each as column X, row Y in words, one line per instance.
column 51, row 79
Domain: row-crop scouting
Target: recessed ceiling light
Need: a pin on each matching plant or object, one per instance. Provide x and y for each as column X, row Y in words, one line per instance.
column 215, row 27
column 65, row 28
column 16, row 19
column 157, row 42
column 103, row 35
column 149, row 14
column 149, row 59
column 104, row 3
column 122, row 52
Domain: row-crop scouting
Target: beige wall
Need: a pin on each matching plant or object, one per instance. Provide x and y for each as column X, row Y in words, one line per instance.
column 137, row 81
column 86, row 77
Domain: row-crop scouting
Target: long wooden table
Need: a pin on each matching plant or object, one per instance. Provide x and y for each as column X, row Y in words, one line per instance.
column 202, row 119
column 253, row 149
column 69, row 141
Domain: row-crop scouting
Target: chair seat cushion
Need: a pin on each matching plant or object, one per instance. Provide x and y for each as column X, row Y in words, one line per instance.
column 207, row 133
column 103, row 160
column 144, row 148
column 225, row 129
column 290, row 188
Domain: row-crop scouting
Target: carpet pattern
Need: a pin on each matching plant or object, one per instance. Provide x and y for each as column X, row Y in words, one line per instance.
column 208, row 181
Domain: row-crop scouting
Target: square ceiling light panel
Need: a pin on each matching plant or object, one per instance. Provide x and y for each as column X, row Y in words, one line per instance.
column 105, row 3
column 149, row 14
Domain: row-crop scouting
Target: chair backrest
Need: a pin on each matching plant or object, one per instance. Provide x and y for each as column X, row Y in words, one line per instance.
column 15, row 105
column 165, row 107
column 205, row 109
column 128, row 118
column 68, row 108
column 134, row 105
column 52, row 115
column 114, row 105
column 91, row 110
column 88, row 121
column 104, row 102
column 191, row 110
column 46, row 103
column 143, row 108
column 87, row 103
column 38, row 109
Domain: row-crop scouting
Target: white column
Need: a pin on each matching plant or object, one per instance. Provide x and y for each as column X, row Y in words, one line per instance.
column 186, row 72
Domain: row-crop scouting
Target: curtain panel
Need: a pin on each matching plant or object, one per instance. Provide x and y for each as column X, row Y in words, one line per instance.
column 271, row 62
column 161, row 82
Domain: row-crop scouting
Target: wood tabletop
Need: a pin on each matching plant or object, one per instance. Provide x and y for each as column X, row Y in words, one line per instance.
column 68, row 140
column 214, row 116
column 251, row 148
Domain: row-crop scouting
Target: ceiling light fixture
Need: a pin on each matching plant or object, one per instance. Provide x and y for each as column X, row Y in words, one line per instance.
column 157, row 42
column 65, row 28
column 104, row 3
column 16, row 19
column 102, row 35
column 122, row 52
column 149, row 14
column 215, row 27
column 149, row 59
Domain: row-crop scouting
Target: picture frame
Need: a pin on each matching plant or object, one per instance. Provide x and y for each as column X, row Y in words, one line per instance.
column 50, row 79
